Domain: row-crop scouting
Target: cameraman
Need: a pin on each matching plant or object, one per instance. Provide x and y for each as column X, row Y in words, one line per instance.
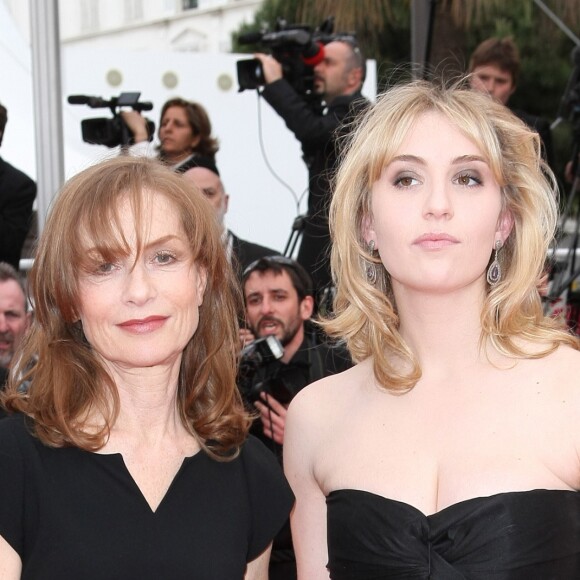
column 338, row 79
column 278, row 300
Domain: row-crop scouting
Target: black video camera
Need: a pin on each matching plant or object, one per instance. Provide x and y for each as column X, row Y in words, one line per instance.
column 296, row 47
column 106, row 131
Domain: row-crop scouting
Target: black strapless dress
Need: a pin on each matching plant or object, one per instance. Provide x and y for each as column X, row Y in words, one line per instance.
column 529, row 535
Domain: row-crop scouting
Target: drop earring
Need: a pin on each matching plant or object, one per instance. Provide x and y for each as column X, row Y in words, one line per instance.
column 371, row 267
column 494, row 270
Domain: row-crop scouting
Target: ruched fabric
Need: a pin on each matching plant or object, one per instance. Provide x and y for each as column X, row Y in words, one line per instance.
column 530, row 535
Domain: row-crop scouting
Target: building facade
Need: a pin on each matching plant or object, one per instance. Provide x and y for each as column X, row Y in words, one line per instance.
column 180, row 25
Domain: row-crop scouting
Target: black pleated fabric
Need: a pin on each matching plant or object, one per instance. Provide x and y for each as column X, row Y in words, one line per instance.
column 530, row 535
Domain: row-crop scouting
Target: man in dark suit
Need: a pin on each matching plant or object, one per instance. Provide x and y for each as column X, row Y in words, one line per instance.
column 205, row 175
column 17, row 194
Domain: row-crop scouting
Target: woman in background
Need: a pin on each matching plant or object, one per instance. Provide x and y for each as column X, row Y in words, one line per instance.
column 451, row 450
column 129, row 457
column 185, row 134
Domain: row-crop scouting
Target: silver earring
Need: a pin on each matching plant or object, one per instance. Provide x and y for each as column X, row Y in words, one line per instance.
column 371, row 268
column 494, row 270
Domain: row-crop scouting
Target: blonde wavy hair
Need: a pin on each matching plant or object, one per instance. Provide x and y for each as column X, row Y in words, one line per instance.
column 365, row 315
column 68, row 382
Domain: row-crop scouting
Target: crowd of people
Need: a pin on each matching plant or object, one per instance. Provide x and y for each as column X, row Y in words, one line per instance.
column 178, row 402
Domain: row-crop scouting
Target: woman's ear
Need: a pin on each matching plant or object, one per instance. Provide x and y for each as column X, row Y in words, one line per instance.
column 505, row 226
column 367, row 229
column 201, row 284
column 195, row 141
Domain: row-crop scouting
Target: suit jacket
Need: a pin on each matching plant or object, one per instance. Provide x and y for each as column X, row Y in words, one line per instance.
column 17, row 194
column 244, row 253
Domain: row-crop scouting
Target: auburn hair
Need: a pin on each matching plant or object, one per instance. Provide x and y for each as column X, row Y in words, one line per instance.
column 66, row 382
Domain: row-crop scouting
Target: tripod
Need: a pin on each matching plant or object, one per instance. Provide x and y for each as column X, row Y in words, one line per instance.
column 295, row 235
column 324, row 296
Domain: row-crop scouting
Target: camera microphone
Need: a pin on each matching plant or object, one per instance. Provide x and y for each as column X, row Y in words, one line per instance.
column 79, row 99
column 312, row 52
column 93, row 102
column 250, row 38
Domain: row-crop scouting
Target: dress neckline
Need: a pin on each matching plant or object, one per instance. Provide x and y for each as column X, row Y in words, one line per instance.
column 117, row 459
column 500, row 496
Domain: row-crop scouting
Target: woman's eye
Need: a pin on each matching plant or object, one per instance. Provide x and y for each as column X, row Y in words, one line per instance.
column 468, row 180
column 405, row 181
column 164, row 258
column 105, row 268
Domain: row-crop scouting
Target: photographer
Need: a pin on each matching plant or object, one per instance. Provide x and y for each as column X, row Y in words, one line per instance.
column 184, row 133
column 279, row 302
column 338, row 79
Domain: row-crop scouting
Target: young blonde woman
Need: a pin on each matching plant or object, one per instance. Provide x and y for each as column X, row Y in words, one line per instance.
column 451, row 450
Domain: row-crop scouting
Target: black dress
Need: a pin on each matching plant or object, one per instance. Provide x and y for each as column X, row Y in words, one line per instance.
column 529, row 535
column 74, row 514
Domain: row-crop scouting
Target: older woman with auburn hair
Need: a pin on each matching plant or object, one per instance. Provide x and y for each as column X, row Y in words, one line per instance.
column 451, row 450
column 129, row 455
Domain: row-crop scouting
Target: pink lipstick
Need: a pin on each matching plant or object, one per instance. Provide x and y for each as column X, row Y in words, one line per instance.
column 143, row 325
column 435, row 241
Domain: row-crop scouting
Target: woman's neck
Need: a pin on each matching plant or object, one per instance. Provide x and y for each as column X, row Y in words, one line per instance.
column 148, row 401
column 442, row 330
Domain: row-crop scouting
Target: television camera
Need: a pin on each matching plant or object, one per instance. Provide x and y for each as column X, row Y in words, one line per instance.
column 111, row 131
column 297, row 48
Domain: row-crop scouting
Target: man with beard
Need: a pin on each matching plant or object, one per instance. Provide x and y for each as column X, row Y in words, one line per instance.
column 13, row 318
column 338, row 79
column 279, row 302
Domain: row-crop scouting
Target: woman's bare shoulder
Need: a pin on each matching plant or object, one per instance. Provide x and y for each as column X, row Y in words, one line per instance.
column 330, row 394
column 318, row 410
column 558, row 372
column 336, row 386
column 565, row 360
column 565, row 364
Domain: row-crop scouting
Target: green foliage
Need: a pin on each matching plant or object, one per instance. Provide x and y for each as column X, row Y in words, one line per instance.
column 545, row 64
